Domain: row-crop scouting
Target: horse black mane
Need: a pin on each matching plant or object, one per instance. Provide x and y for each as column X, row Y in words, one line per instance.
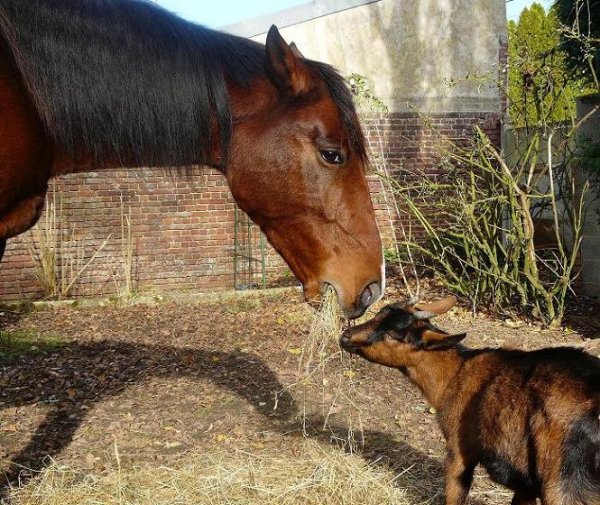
column 129, row 80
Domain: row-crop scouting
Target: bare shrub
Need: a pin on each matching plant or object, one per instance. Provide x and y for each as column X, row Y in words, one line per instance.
column 59, row 256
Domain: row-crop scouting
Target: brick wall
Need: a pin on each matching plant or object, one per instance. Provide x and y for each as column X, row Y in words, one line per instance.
column 406, row 145
column 183, row 224
column 182, row 227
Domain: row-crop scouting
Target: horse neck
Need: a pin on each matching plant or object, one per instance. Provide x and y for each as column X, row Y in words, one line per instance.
column 433, row 371
column 246, row 102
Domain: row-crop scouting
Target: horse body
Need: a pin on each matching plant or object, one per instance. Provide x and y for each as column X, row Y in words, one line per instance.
column 91, row 84
column 25, row 154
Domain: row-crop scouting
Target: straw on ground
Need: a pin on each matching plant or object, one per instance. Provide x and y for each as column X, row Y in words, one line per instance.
column 317, row 477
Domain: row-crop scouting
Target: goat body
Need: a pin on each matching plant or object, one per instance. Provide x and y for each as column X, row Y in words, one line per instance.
column 532, row 419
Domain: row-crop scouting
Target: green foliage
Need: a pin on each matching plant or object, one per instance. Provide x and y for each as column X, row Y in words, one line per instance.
column 588, row 157
column 580, row 36
column 363, row 94
column 541, row 86
column 393, row 255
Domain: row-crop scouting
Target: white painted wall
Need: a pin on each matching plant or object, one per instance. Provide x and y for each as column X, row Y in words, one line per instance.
column 409, row 49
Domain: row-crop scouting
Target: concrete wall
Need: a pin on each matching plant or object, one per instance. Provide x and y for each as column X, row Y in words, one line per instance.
column 410, row 50
column 590, row 246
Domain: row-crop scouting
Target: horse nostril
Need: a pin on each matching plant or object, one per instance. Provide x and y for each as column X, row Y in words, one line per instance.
column 369, row 295
column 366, row 297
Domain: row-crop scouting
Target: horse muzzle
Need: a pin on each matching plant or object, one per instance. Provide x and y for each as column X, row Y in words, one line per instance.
column 369, row 295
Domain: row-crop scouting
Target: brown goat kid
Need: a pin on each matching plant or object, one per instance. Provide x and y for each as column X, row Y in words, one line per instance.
column 530, row 418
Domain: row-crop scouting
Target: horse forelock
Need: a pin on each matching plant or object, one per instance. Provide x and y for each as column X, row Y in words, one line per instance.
column 341, row 95
column 128, row 80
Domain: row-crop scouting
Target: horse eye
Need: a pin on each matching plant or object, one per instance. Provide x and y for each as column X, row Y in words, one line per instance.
column 333, row 157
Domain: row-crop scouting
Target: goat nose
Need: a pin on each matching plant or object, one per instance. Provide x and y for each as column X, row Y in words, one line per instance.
column 345, row 340
column 369, row 296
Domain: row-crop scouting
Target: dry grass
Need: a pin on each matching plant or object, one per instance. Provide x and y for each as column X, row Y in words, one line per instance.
column 325, row 370
column 125, row 282
column 321, row 344
column 59, row 253
column 316, row 477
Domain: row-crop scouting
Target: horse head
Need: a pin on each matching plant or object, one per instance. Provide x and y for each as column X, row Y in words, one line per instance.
column 297, row 166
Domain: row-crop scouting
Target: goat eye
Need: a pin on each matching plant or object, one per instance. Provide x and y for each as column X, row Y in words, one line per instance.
column 332, row 156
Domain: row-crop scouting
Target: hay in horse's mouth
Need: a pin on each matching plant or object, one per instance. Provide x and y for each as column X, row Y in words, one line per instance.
column 329, row 307
column 320, row 352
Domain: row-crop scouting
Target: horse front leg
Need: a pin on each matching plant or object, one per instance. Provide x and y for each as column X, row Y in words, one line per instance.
column 26, row 152
column 20, row 218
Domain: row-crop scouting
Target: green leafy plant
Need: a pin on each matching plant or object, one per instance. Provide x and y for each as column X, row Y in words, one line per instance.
column 364, row 97
column 542, row 86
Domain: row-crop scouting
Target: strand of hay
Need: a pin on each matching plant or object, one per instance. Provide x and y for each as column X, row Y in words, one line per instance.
column 323, row 336
column 328, row 372
column 317, row 477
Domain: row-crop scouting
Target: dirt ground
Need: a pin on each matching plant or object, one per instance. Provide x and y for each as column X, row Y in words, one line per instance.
column 155, row 382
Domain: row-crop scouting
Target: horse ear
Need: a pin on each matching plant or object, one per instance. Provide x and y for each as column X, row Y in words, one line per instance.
column 295, row 50
column 284, row 67
column 438, row 340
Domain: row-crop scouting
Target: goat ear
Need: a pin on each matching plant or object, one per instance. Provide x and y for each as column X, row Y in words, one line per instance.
column 284, row 67
column 401, row 321
column 439, row 306
column 437, row 340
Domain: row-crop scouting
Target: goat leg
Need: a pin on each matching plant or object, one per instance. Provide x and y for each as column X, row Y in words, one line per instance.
column 459, row 477
column 521, row 499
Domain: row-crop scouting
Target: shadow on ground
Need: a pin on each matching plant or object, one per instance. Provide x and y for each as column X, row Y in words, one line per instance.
column 74, row 378
column 8, row 316
column 582, row 314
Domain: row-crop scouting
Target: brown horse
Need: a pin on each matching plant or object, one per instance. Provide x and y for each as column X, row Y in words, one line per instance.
column 92, row 84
